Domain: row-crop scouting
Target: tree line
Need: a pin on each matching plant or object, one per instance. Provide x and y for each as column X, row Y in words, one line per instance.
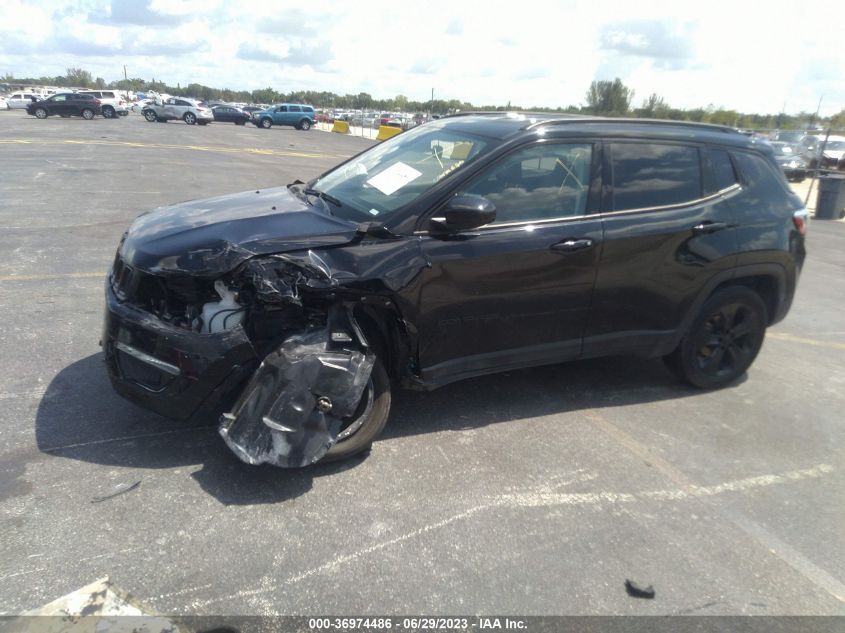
column 604, row 98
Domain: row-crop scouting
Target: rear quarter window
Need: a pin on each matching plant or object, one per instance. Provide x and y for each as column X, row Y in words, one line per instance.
column 766, row 186
column 295, row 109
column 646, row 175
column 724, row 175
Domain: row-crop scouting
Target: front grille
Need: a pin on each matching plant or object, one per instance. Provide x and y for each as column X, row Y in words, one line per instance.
column 173, row 298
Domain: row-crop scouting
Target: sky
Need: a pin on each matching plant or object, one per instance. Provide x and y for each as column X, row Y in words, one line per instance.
column 747, row 56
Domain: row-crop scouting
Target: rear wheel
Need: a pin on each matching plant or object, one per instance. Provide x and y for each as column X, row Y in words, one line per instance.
column 108, row 112
column 723, row 341
column 305, row 124
column 40, row 113
column 190, row 118
column 87, row 114
column 359, row 430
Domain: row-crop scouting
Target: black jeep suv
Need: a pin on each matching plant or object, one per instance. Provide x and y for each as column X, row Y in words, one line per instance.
column 470, row 245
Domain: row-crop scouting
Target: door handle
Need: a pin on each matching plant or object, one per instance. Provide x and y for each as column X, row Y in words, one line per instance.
column 572, row 245
column 708, row 226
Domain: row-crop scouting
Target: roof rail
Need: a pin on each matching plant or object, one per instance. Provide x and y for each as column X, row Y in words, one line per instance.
column 510, row 113
column 589, row 119
column 555, row 119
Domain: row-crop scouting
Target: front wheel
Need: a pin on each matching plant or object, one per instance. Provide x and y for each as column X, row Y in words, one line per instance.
column 87, row 114
column 266, row 124
column 723, row 341
column 359, row 430
column 190, row 118
column 40, row 113
column 150, row 116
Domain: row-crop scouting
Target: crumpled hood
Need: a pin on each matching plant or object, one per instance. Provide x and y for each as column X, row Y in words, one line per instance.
column 213, row 236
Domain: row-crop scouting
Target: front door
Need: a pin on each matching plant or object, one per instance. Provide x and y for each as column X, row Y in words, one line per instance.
column 517, row 291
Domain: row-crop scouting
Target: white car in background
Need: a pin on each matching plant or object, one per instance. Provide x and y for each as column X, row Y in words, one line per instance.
column 113, row 103
column 4, row 105
column 19, row 100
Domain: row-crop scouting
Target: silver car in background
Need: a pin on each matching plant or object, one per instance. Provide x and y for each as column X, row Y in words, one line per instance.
column 190, row 111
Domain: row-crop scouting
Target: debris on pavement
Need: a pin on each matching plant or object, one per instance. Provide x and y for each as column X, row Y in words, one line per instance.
column 122, row 488
column 636, row 590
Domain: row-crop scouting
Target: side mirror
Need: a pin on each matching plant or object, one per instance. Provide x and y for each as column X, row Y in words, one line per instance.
column 462, row 213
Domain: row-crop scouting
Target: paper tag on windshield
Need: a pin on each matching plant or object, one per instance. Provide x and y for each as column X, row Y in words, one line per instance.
column 394, row 178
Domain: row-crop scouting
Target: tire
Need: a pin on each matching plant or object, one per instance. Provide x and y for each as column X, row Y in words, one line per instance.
column 370, row 418
column 108, row 112
column 150, row 116
column 240, row 122
column 190, row 118
column 723, row 340
column 266, row 124
column 305, row 125
column 87, row 114
column 40, row 113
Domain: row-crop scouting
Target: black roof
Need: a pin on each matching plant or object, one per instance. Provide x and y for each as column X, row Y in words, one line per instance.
column 503, row 125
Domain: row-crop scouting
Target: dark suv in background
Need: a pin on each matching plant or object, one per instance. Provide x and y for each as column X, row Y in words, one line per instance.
column 66, row 104
column 470, row 245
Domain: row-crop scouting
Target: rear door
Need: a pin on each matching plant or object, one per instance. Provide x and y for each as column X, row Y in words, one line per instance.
column 668, row 228
column 294, row 115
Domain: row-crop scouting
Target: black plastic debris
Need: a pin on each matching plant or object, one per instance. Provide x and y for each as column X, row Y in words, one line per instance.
column 291, row 411
column 122, row 488
column 636, row 590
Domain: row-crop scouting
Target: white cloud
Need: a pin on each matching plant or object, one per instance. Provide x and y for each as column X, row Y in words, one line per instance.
column 739, row 56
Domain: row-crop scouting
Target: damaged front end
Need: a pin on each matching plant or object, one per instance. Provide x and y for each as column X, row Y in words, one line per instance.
column 282, row 313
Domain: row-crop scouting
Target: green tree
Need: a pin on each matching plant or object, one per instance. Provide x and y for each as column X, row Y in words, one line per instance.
column 654, row 107
column 609, row 97
column 79, row 77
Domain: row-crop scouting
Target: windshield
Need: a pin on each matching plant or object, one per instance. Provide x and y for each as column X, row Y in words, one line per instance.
column 782, row 149
column 396, row 172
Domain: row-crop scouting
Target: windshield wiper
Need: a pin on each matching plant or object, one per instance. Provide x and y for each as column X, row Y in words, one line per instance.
column 323, row 196
column 302, row 190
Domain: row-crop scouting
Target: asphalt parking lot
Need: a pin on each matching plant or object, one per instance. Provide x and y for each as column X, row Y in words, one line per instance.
column 533, row 492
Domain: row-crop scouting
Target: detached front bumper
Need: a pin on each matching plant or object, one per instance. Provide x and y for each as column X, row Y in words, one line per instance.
column 167, row 369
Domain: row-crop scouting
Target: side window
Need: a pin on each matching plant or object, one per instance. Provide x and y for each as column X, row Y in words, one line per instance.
column 308, row 109
column 179, row 102
column 282, row 109
column 764, row 184
column 540, row 182
column 724, row 175
column 654, row 175
column 295, row 109
column 107, row 95
column 58, row 98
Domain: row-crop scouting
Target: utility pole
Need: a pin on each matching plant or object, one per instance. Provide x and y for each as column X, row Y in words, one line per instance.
column 818, row 108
